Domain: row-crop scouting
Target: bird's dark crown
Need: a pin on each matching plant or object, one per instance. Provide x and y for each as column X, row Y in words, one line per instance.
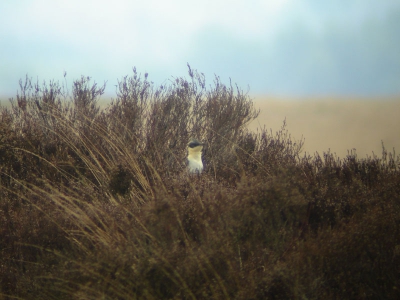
column 194, row 143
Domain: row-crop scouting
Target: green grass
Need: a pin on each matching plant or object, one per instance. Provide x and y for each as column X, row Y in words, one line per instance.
column 95, row 202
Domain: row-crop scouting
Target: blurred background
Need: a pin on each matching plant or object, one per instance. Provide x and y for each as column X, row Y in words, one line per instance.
column 331, row 68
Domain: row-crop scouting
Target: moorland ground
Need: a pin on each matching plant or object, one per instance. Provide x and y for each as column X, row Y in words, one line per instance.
column 336, row 123
column 96, row 203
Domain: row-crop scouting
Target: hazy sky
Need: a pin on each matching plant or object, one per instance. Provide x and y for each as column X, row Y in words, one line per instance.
column 275, row 47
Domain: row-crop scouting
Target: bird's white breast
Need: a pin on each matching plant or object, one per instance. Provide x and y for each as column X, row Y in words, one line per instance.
column 195, row 165
column 194, row 159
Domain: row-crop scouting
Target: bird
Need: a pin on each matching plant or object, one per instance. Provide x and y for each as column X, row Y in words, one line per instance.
column 194, row 156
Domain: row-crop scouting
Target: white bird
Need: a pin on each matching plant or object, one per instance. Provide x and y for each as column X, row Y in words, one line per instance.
column 194, row 156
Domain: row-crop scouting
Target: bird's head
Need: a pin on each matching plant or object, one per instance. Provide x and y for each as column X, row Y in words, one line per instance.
column 195, row 146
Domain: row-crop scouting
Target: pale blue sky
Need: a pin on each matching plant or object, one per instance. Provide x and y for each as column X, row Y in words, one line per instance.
column 276, row 47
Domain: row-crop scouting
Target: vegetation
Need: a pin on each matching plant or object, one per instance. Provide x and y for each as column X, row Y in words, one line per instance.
column 95, row 203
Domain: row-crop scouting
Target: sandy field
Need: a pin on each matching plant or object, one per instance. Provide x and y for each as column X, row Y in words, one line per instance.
column 338, row 124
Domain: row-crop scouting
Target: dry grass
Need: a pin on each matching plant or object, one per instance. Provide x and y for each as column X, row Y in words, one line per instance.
column 338, row 124
column 95, row 202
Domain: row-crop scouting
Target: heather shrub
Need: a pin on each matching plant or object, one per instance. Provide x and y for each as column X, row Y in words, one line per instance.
column 96, row 204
